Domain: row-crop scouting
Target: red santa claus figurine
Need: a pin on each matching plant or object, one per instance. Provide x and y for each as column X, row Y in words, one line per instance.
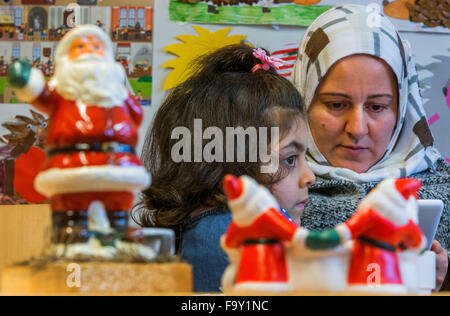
column 256, row 238
column 92, row 132
column 385, row 223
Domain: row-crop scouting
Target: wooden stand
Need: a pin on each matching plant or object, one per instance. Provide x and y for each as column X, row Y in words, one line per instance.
column 98, row 278
column 24, row 232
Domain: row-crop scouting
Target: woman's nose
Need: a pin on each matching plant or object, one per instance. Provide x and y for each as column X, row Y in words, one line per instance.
column 356, row 124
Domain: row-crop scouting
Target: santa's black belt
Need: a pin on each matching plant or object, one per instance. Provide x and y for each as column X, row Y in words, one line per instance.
column 106, row 147
column 261, row 241
column 378, row 244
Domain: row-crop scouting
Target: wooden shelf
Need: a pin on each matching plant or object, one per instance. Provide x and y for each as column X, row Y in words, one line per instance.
column 24, row 232
column 95, row 278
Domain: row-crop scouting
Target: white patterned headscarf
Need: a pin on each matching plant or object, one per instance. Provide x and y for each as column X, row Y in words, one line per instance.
column 346, row 30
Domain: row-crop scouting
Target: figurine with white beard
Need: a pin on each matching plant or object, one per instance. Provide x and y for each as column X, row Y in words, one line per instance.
column 92, row 133
column 267, row 252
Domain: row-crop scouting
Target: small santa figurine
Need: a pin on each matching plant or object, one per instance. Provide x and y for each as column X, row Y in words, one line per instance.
column 259, row 236
column 256, row 238
column 92, row 132
column 385, row 223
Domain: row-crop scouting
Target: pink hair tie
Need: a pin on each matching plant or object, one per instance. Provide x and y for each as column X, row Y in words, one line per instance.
column 266, row 61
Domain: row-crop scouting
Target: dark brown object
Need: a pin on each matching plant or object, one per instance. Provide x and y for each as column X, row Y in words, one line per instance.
column 22, row 126
column 9, row 177
column 430, row 12
column 47, row 52
column 25, row 146
column 422, row 131
column 316, row 44
column 25, row 132
column 212, row 9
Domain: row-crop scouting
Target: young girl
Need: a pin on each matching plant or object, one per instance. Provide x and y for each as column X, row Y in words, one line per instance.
column 232, row 87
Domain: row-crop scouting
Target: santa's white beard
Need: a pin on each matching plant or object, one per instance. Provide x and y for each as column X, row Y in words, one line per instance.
column 91, row 79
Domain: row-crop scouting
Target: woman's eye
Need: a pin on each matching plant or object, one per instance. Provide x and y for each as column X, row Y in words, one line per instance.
column 336, row 105
column 291, row 161
column 377, row 108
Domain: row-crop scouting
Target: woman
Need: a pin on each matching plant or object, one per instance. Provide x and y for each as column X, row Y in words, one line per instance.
column 366, row 119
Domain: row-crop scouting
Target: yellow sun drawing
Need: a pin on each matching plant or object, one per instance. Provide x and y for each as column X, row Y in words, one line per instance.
column 193, row 47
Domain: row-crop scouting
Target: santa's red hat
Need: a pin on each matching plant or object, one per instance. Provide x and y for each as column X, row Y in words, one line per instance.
column 395, row 200
column 247, row 199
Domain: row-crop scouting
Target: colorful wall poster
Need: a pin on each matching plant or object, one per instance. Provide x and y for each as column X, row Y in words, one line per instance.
column 407, row 15
column 32, row 28
column 193, row 47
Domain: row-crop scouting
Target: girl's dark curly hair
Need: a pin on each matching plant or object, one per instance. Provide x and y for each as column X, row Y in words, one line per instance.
column 223, row 92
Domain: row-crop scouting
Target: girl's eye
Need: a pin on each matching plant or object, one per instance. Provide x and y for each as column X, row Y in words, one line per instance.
column 291, row 161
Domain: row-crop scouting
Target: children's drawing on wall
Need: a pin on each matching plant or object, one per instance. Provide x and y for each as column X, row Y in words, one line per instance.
column 435, row 91
column 31, row 29
column 407, row 15
column 288, row 53
column 21, row 155
column 283, row 12
column 192, row 47
column 430, row 13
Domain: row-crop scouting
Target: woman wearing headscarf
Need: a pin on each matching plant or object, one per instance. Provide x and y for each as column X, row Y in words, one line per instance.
column 366, row 119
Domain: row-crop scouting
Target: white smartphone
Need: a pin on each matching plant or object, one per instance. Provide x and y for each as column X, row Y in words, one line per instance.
column 430, row 212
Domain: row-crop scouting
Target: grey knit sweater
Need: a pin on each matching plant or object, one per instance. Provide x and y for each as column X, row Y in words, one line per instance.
column 333, row 201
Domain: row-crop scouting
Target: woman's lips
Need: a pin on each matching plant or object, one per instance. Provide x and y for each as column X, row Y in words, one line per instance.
column 353, row 150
